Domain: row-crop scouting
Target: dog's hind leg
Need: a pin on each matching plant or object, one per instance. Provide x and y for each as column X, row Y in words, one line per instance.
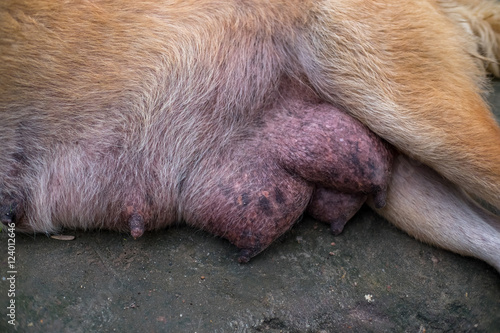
column 433, row 210
column 403, row 69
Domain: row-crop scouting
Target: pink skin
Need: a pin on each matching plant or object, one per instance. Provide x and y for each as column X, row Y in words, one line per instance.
column 306, row 155
column 298, row 154
column 335, row 207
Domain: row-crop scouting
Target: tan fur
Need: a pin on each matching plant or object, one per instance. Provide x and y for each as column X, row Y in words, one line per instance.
column 481, row 19
column 431, row 209
column 91, row 87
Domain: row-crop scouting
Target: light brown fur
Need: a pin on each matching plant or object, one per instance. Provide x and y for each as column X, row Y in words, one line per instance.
column 98, row 98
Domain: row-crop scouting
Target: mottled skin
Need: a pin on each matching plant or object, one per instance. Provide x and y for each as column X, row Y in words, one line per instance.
column 299, row 148
column 300, row 144
column 334, row 207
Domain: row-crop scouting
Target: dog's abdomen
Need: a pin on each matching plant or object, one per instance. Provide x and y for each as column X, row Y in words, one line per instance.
column 133, row 128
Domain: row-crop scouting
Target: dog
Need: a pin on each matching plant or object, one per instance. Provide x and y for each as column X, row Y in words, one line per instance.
column 137, row 115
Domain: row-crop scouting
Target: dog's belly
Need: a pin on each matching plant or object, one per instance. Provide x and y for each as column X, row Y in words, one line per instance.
column 248, row 181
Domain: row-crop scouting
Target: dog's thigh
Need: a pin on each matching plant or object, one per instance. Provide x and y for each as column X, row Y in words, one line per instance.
column 402, row 69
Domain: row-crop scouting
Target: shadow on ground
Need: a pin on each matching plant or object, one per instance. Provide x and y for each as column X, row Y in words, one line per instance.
column 372, row 278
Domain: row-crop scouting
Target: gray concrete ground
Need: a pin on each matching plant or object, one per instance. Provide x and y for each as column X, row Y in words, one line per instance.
column 371, row 278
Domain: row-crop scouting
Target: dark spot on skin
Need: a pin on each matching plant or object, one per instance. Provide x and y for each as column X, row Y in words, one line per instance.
column 20, row 157
column 354, row 155
column 371, row 166
column 280, row 198
column 149, row 199
column 265, row 205
column 180, row 184
column 259, row 122
column 356, row 163
column 245, row 200
column 305, row 124
column 7, row 213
